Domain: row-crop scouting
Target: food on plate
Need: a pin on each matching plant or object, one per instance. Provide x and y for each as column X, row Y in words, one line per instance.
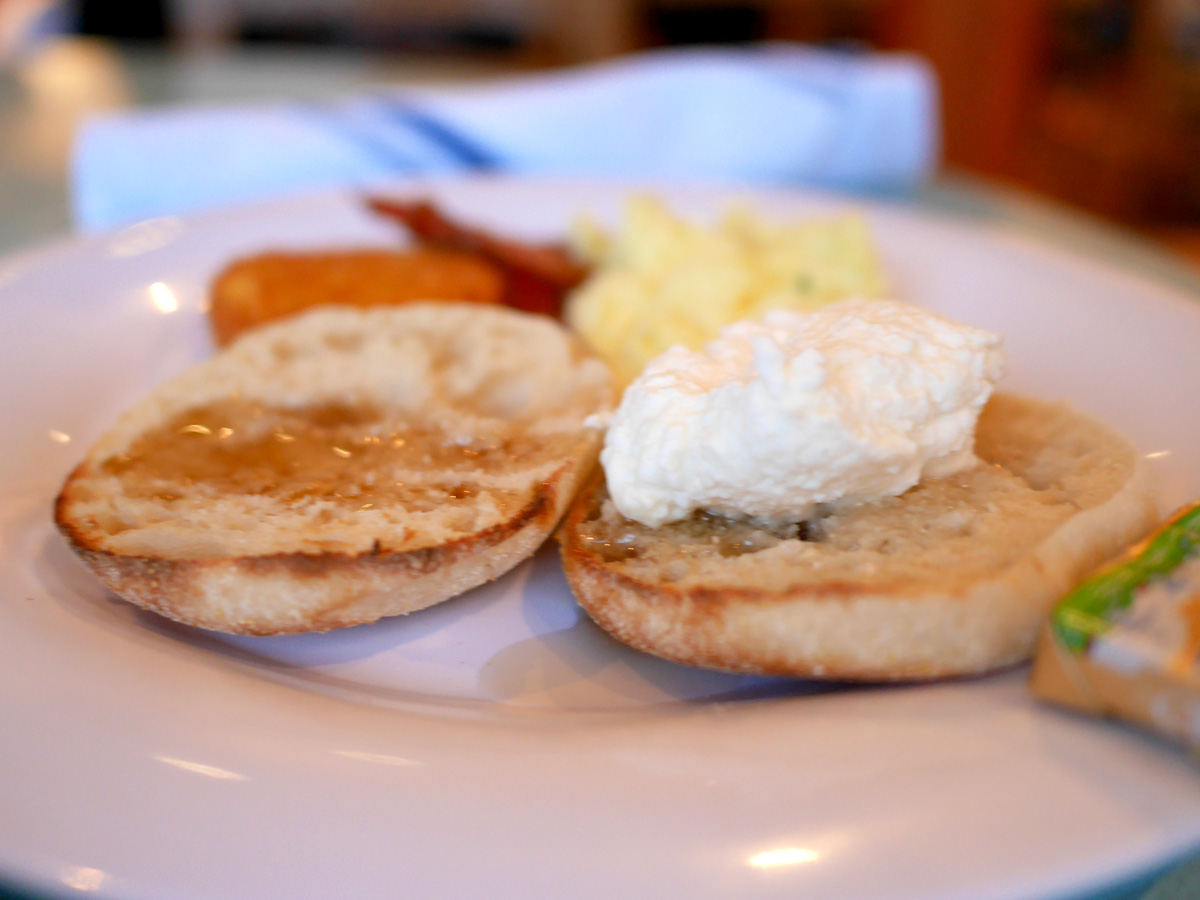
column 1126, row 642
column 660, row 281
column 840, row 494
column 537, row 276
column 849, row 403
column 340, row 466
column 262, row 288
column 451, row 262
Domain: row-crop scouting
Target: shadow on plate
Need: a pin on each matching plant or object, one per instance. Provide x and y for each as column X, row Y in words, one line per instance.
column 569, row 660
column 519, row 645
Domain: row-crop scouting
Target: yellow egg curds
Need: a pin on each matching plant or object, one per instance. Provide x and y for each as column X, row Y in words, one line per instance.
column 660, row 281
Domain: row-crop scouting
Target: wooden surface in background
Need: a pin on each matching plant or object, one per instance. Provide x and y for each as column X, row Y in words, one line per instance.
column 1124, row 146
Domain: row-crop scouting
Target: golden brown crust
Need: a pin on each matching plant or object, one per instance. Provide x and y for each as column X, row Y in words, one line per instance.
column 259, row 289
column 880, row 627
column 369, row 586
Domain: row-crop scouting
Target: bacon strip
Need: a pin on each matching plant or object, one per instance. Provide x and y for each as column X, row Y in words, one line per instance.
column 538, row 276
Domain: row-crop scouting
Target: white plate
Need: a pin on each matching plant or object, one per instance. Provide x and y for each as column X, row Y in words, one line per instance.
column 499, row 745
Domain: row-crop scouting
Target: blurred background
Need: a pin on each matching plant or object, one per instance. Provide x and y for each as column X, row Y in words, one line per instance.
column 1092, row 103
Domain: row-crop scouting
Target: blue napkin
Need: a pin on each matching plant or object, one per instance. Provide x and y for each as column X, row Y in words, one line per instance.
column 775, row 114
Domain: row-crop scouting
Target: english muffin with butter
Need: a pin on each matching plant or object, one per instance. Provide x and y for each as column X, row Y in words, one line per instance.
column 340, row 466
column 840, row 494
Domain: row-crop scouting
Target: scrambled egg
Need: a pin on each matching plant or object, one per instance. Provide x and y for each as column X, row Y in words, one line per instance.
column 661, row 281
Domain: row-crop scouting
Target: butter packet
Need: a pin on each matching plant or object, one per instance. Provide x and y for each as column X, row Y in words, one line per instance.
column 1126, row 642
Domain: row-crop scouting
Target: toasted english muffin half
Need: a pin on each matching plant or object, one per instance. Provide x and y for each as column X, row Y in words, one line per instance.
column 952, row 577
column 340, row 466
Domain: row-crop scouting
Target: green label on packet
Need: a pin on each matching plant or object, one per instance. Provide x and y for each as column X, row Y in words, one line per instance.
column 1093, row 607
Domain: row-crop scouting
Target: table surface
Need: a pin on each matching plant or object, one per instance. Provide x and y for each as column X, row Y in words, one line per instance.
column 44, row 95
